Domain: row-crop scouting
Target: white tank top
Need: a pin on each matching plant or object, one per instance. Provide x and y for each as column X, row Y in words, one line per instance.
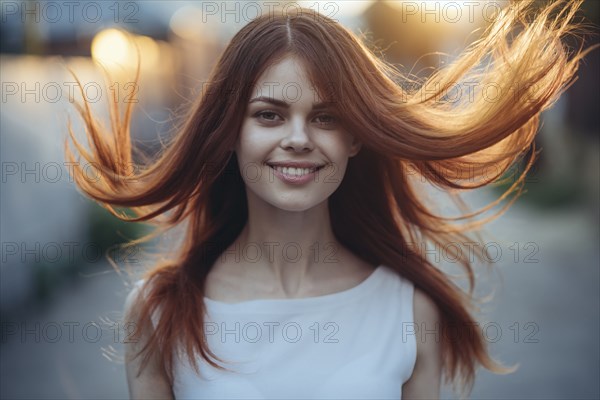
column 353, row 344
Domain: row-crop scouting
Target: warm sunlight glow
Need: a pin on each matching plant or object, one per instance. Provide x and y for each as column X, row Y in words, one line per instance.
column 186, row 22
column 112, row 48
column 117, row 50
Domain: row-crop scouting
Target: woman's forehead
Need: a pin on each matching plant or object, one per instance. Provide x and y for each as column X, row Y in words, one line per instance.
column 288, row 71
column 287, row 79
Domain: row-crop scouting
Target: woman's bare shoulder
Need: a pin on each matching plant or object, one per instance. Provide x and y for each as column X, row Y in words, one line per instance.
column 425, row 381
column 132, row 300
column 425, row 309
column 146, row 377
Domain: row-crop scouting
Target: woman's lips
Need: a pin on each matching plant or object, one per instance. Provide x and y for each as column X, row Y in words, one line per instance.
column 292, row 175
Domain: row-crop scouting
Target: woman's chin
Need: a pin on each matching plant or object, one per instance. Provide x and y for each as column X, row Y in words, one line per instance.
column 295, row 204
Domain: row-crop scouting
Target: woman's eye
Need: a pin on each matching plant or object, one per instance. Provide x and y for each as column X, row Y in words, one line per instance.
column 267, row 116
column 325, row 119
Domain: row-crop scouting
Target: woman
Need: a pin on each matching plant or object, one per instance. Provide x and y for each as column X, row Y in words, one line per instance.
column 292, row 174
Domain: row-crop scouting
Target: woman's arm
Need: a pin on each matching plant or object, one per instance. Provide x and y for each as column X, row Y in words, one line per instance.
column 425, row 380
column 152, row 383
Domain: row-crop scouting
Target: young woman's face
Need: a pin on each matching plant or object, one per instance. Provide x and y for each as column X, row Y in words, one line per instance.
column 292, row 151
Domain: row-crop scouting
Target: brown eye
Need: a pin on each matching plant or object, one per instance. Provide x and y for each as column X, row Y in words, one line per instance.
column 325, row 119
column 267, row 116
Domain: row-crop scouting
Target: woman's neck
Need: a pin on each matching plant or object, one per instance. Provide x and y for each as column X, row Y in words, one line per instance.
column 289, row 248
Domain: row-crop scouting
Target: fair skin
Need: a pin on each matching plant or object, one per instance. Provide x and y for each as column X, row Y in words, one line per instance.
column 288, row 249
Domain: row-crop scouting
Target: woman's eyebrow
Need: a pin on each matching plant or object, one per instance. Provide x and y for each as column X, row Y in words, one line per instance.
column 281, row 103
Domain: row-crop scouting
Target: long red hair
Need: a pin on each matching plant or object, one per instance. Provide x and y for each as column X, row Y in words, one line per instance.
column 377, row 210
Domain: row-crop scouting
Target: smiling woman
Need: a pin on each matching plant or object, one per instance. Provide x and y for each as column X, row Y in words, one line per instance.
column 298, row 142
column 296, row 278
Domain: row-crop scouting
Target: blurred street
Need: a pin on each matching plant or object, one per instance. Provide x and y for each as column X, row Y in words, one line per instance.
column 547, row 307
column 62, row 357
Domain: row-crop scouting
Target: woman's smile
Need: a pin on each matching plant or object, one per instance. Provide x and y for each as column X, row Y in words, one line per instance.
column 296, row 173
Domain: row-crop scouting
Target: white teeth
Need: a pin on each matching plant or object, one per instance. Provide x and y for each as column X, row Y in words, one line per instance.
column 291, row 171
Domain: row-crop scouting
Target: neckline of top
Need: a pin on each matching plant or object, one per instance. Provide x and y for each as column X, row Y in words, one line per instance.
column 270, row 305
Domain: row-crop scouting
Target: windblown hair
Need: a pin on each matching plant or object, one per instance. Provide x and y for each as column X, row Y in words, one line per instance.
column 377, row 211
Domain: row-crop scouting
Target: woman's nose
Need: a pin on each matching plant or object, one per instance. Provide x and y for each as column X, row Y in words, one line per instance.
column 298, row 138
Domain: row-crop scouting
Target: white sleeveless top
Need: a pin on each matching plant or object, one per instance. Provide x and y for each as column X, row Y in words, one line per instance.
column 354, row 344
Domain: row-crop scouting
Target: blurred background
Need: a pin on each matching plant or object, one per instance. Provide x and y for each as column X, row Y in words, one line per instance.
column 60, row 300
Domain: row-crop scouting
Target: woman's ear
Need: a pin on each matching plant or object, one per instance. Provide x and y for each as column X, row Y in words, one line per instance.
column 355, row 147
